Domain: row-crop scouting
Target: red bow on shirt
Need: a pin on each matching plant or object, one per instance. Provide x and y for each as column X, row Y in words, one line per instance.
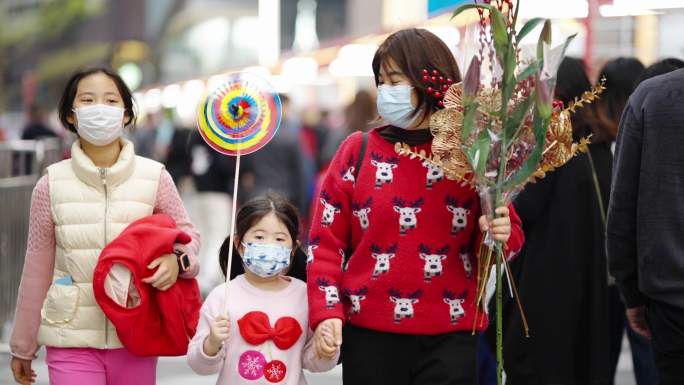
column 255, row 328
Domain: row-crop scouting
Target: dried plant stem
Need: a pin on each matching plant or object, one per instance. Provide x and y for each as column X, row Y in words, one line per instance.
column 483, row 272
column 555, row 142
column 526, row 326
column 486, row 271
column 588, row 96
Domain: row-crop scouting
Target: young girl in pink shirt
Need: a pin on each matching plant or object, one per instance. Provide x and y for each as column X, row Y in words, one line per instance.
column 265, row 336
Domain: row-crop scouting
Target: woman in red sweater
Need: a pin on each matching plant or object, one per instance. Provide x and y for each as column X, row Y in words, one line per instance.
column 407, row 290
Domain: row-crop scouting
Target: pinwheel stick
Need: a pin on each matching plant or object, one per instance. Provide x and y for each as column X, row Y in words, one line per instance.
column 233, row 214
column 236, row 118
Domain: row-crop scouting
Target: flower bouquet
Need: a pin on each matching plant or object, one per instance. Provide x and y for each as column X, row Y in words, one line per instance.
column 500, row 133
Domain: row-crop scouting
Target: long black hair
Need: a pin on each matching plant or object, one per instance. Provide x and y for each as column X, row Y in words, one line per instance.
column 661, row 67
column 571, row 82
column 622, row 76
column 66, row 103
column 252, row 212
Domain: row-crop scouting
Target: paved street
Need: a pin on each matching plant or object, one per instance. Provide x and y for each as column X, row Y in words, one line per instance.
column 171, row 371
column 174, row 371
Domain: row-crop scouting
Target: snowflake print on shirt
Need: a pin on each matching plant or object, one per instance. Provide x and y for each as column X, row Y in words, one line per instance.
column 251, row 365
column 275, row 371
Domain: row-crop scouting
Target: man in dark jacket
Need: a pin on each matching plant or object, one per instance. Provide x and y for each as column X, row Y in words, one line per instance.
column 213, row 174
column 281, row 166
column 645, row 232
column 36, row 127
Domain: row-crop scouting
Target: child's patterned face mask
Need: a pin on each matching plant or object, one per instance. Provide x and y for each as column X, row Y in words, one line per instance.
column 266, row 260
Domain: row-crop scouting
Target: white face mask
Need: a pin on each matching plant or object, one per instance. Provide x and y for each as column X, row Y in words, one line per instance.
column 266, row 260
column 394, row 105
column 99, row 124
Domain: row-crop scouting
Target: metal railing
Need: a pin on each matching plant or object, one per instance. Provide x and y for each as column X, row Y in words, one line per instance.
column 28, row 157
column 15, row 202
column 21, row 164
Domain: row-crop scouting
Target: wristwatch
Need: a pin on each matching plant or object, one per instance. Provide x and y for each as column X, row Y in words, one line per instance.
column 183, row 260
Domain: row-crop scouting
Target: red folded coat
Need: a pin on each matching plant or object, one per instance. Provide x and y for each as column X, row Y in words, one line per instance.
column 148, row 322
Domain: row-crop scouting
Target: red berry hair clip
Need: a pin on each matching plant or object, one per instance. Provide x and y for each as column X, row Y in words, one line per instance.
column 437, row 84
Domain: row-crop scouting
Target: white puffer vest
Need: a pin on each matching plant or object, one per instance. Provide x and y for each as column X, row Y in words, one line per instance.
column 90, row 207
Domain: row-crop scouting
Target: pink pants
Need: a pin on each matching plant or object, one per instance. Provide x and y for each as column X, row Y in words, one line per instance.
column 72, row 366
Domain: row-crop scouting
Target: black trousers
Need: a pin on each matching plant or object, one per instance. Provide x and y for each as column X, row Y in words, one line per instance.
column 376, row 358
column 667, row 330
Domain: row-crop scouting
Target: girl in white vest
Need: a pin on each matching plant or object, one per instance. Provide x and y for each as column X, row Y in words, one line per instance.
column 76, row 209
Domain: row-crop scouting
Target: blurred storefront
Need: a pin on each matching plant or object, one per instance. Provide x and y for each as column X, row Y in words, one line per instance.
column 318, row 51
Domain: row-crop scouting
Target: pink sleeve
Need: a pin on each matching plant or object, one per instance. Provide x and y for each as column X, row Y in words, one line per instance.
column 315, row 364
column 36, row 277
column 169, row 202
column 197, row 359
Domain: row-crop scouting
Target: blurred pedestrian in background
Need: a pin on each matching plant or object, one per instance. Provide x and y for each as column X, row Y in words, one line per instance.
column 622, row 76
column 359, row 115
column 213, row 175
column 281, row 166
column 36, row 127
column 562, row 270
column 661, row 67
column 644, row 237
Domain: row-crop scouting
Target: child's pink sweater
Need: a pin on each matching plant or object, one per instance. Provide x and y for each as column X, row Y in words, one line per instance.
column 40, row 258
column 240, row 362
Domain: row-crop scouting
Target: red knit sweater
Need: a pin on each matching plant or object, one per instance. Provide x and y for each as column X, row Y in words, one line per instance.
column 413, row 234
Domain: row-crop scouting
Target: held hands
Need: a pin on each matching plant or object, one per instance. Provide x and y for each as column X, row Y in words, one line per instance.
column 328, row 338
column 500, row 227
column 219, row 332
column 23, row 374
column 167, row 273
